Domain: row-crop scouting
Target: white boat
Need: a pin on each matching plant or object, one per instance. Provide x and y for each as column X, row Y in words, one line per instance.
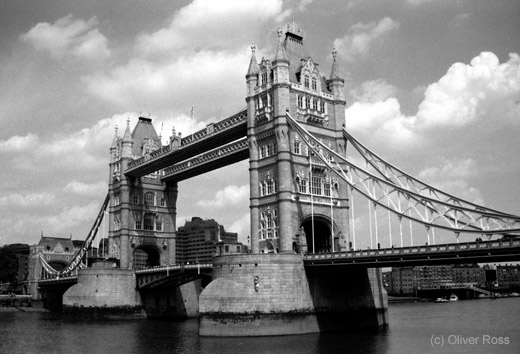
column 454, row 297
column 441, row 300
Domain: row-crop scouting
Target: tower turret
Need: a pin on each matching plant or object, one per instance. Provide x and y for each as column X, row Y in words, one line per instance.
column 336, row 83
column 127, row 142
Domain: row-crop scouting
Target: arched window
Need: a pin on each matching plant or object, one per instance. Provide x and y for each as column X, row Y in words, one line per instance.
column 306, row 81
column 149, row 199
column 314, row 84
column 315, row 104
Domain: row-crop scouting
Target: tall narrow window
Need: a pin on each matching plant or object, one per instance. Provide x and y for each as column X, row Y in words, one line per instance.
column 300, row 101
column 314, row 84
column 303, row 186
column 149, row 222
column 270, row 186
column 316, row 187
column 149, row 199
column 297, row 147
column 306, row 81
column 326, row 189
column 315, row 104
column 307, row 102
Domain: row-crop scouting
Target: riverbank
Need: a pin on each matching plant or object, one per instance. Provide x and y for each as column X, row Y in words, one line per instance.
column 4, row 309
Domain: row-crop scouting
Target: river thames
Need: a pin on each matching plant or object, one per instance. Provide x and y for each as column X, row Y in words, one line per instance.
column 473, row 326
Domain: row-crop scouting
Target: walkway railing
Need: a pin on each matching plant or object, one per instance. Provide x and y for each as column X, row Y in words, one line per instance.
column 210, row 130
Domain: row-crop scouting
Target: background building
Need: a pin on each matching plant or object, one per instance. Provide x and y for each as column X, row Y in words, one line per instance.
column 197, row 241
column 407, row 280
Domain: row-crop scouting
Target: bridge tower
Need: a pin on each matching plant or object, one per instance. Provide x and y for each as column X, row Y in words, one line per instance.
column 142, row 210
column 296, row 204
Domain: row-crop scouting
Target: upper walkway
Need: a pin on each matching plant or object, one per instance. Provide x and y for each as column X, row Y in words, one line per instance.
column 214, row 135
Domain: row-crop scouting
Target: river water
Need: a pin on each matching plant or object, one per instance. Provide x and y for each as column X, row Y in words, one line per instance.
column 472, row 326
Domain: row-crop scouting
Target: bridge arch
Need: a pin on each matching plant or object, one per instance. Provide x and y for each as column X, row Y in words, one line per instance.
column 59, row 264
column 145, row 256
column 322, row 234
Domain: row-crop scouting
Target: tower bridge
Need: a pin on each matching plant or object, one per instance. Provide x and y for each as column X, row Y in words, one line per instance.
column 304, row 195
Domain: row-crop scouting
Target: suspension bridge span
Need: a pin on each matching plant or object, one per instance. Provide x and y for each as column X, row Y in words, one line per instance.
column 318, row 215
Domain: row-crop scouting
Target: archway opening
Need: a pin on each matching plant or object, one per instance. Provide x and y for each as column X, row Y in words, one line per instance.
column 321, row 242
column 145, row 257
column 58, row 265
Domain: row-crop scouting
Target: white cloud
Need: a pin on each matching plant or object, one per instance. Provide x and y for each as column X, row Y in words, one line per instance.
column 81, row 188
column 383, row 119
column 453, row 177
column 418, row 2
column 69, row 36
column 242, row 227
column 361, row 36
column 32, row 200
column 70, row 218
column 143, row 83
column 211, row 25
column 19, row 143
column 483, row 90
column 374, row 91
column 450, row 169
column 231, row 195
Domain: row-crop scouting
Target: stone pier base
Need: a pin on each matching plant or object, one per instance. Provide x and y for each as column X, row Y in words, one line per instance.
column 273, row 294
column 104, row 290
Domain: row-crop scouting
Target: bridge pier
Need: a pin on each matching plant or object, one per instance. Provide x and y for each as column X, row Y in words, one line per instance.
column 104, row 288
column 273, row 294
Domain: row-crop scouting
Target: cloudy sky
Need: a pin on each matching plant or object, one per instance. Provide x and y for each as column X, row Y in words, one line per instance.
column 432, row 85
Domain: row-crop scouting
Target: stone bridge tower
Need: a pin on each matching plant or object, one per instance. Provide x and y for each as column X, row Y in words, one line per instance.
column 142, row 210
column 296, row 204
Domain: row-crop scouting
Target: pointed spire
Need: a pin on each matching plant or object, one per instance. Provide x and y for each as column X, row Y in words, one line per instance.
column 128, row 135
column 116, row 138
column 280, row 50
column 253, row 65
column 335, row 72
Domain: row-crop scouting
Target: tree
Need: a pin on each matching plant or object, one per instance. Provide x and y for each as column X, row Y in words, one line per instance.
column 8, row 265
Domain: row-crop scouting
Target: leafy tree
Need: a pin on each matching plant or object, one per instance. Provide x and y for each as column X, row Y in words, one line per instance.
column 8, row 265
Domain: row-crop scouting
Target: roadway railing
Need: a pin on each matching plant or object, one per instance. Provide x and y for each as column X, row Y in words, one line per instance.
column 411, row 251
column 174, row 267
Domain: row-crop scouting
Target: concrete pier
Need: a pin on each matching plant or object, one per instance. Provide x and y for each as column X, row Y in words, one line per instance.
column 273, row 294
column 104, row 287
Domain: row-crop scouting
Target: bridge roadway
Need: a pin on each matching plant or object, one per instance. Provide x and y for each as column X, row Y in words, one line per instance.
column 451, row 253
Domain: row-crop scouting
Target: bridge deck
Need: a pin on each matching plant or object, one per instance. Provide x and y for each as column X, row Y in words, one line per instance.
column 470, row 252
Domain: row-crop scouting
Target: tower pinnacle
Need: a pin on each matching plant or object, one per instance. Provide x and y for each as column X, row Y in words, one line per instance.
column 253, row 65
column 335, row 72
column 280, row 50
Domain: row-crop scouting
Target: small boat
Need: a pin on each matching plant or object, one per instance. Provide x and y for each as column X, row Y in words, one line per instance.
column 454, row 297
column 441, row 300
